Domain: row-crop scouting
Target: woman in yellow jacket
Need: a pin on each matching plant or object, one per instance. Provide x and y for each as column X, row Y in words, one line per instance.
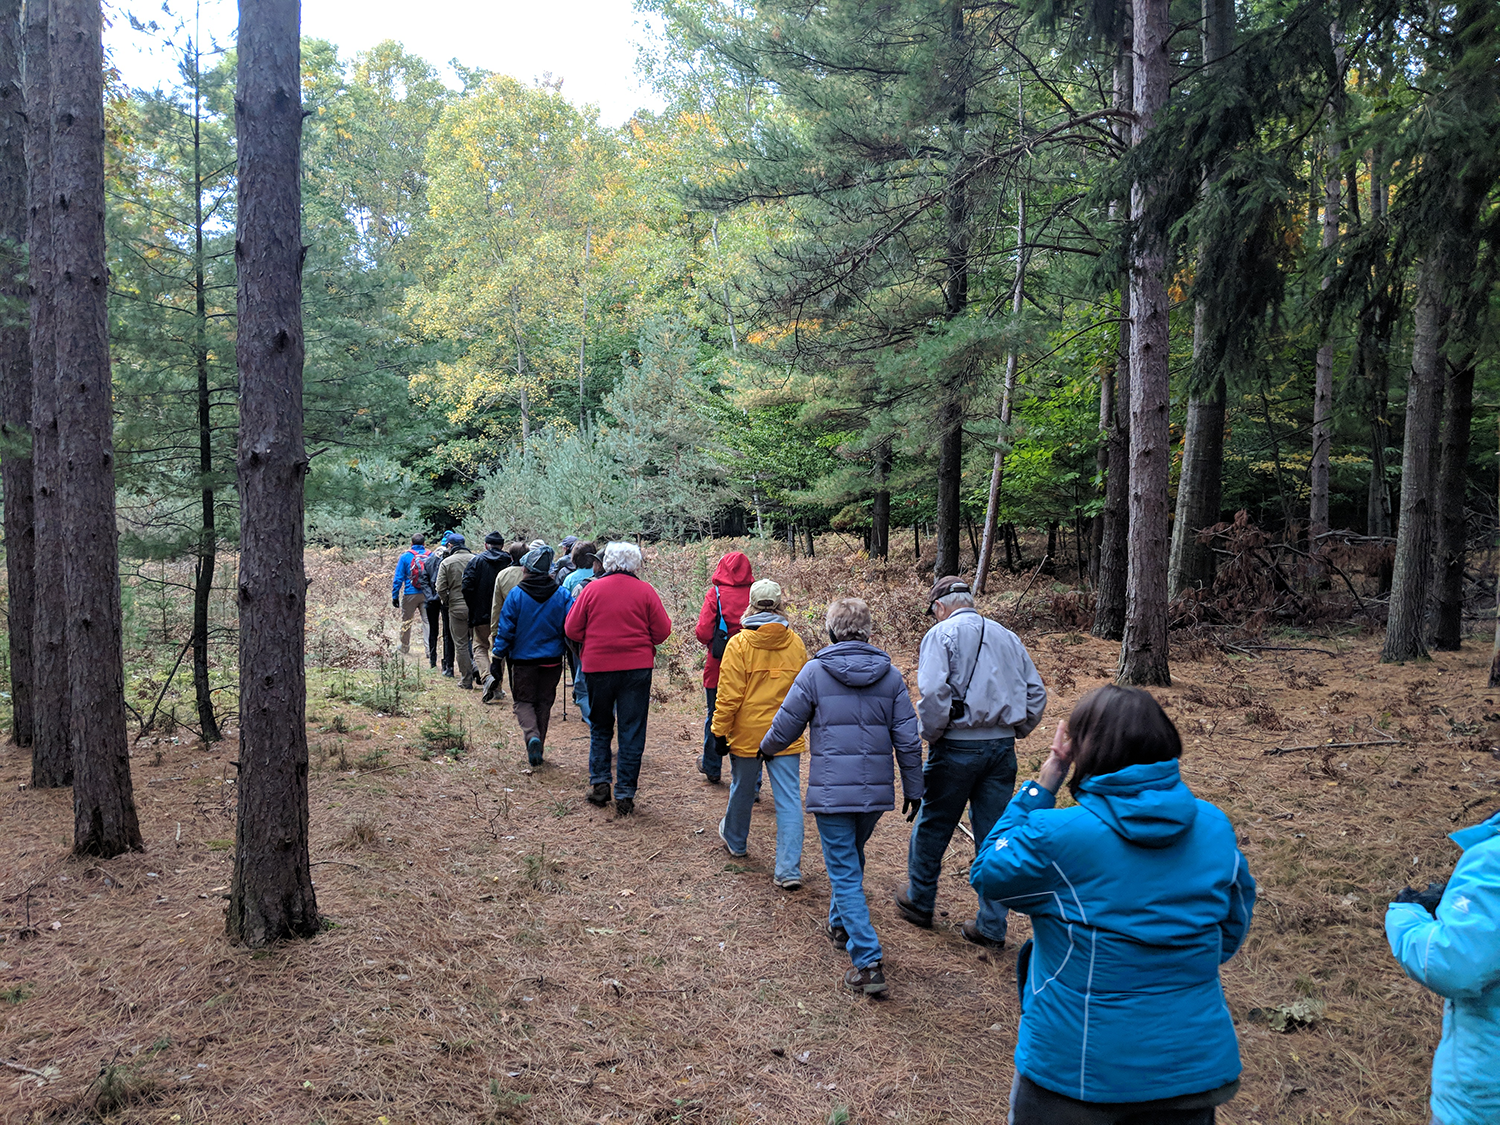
column 759, row 665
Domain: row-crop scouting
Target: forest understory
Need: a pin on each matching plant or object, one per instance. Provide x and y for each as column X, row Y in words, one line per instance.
column 495, row 949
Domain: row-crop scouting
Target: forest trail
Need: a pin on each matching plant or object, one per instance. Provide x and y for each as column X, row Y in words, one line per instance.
column 498, row 949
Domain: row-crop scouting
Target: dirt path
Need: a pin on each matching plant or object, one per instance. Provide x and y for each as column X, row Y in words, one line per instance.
column 498, row 949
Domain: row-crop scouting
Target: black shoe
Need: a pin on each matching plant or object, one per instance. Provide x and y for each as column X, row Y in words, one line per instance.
column 710, row 778
column 970, row 933
column 916, row 917
column 448, row 672
column 836, row 934
column 599, row 794
column 432, row 662
column 492, row 690
column 534, row 751
column 624, row 806
column 870, row 980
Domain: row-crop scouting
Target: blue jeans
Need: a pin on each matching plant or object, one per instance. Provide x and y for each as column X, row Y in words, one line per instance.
column 981, row 775
column 843, row 836
column 581, row 694
column 709, row 763
column 626, row 697
column 786, row 787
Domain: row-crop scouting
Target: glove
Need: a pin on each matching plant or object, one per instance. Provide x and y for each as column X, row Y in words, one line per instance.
column 395, row 601
column 721, row 745
column 910, row 808
column 1428, row 900
column 766, row 755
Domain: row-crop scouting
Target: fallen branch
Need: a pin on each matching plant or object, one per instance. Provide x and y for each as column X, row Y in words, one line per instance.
column 26, row 1069
column 1017, row 607
column 340, row 862
column 1280, row 648
column 1276, row 751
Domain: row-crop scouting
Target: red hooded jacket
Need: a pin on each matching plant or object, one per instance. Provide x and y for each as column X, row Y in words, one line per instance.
column 731, row 590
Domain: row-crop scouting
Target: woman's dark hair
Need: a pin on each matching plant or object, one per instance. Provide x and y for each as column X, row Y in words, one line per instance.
column 1113, row 727
column 585, row 554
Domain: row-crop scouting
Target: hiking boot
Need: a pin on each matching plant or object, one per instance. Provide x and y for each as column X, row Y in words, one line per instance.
column 727, row 848
column 598, row 794
column 467, row 683
column 491, row 690
column 534, row 751
column 912, row 914
column 624, row 806
column 432, row 662
column 448, row 670
column 870, row 980
column 970, row 933
column 708, row 777
column 836, row 934
column 788, row 884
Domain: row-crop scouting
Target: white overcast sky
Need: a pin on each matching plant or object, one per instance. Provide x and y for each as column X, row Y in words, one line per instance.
column 590, row 44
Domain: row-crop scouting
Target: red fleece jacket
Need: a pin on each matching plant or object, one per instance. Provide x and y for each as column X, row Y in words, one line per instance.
column 732, row 581
column 618, row 620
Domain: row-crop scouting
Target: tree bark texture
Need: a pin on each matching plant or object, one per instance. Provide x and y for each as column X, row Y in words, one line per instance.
column 208, row 532
column 1143, row 650
column 1322, row 431
column 52, row 747
column 15, row 375
column 1452, row 528
column 1114, row 538
column 1411, row 583
column 103, row 802
column 1375, row 343
column 271, row 895
column 880, row 508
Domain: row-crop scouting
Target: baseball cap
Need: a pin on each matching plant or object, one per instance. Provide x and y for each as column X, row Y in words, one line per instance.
column 765, row 592
column 949, row 584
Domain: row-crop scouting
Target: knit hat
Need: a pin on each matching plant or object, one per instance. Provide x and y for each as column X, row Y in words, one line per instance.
column 494, row 539
column 538, row 560
column 764, row 592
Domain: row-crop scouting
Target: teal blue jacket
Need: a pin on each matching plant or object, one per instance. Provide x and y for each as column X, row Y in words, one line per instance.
column 1137, row 895
column 1457, row 955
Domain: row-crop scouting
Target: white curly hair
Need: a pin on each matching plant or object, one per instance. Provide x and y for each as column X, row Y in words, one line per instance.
column 620, row 557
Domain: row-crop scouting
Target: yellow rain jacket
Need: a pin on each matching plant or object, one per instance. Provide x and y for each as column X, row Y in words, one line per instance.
column 759, row 666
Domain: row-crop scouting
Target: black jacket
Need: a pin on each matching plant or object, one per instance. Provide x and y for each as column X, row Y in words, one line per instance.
column 479, row 584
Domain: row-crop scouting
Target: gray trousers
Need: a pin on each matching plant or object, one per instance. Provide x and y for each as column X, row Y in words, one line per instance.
column 458, row 626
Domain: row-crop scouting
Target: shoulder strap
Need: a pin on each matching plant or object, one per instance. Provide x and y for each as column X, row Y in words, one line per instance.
column 975, row 666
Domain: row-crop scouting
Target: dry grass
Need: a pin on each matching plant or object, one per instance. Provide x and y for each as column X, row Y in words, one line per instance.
column 498, row 950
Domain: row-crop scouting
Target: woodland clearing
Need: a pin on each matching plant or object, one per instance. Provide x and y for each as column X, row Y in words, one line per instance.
column 496, row 949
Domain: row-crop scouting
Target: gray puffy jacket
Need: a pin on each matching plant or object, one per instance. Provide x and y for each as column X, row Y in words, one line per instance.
column 856, row 711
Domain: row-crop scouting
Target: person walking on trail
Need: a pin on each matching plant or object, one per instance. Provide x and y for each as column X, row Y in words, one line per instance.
column 618, row 620
column 406, row 595
column 478, row 590
column 853, row 703
column 980, row 692
column 724, row 605
column 1137, row 894
column 437, row 612
column 450, row 583
column 760, row 663
column 565, row 564
column 585, row 559
column 1447, row 939
column 529, row 632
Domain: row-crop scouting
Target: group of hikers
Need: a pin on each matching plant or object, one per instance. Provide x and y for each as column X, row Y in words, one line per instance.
column 1137, row 892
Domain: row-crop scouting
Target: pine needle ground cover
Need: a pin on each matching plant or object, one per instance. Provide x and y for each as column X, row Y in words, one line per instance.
column 496, row 949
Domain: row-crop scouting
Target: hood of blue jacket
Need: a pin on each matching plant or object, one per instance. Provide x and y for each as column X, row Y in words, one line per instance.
column 1147, row 805
column 854, row 664
column 1466, row 838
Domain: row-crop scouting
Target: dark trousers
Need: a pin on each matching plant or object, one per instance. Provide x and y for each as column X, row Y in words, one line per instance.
column 1031, row 1104
column 981, row 775
column 437, row 619
column 709, row 763
column 624, row 698
column 533, row 689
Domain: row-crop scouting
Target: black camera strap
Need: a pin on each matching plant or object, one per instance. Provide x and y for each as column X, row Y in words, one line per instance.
column 963, row 697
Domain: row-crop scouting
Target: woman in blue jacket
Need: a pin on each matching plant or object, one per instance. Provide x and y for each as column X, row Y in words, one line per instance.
column 529, row 632
column 1137, row 894
column 1452, row 946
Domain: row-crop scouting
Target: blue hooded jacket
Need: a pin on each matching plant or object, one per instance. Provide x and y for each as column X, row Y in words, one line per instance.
column 1457, row 955
column 530, row 631
column 1137, row 895
column 404, row 581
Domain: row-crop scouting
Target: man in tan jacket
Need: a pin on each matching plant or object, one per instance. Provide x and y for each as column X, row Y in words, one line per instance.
column 450, row 582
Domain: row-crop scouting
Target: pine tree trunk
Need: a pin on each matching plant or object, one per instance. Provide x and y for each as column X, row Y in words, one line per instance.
column 1412, row 580
column 1322, row 431
column 1373, row 353
column 208, row 533
column 52, row 748
column 880, row 509
column 104, row 813
column 1114, row 537
column 1143, row 650
column 271, row 895
column 949, row 484
column 15, row 377
column 1199, row 486
column 1452, row 528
